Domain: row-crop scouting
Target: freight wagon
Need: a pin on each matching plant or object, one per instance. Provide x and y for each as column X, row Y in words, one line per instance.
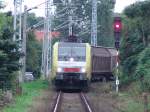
column 104, row 61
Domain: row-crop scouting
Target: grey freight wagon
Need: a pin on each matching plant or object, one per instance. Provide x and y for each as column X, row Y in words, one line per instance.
column 104, row 61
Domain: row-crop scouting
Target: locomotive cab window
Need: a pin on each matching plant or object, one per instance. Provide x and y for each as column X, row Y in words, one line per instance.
column 67, row 52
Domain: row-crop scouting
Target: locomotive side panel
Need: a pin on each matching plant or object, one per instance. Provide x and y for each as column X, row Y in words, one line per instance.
column 88, row 60
column 54, row 60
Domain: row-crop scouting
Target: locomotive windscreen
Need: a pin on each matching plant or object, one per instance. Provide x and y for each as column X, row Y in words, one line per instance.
column 76, row 51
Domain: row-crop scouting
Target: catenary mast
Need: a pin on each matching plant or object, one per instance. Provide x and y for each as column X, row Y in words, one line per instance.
column 46, row 55
column 94, row 23
column 17, row 27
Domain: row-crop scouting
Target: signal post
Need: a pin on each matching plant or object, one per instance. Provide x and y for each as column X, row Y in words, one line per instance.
column 117, row 34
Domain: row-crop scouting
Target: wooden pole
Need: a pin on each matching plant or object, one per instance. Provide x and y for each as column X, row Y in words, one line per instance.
column 145, row 95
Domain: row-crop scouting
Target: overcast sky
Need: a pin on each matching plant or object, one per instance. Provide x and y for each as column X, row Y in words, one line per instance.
column 120, row 5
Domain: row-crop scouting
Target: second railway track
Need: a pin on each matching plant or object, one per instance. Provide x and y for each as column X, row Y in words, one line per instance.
column 71, row 102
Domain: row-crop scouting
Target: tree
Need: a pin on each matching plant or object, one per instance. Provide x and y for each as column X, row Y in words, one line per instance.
column 34, row 47
column 9, row 57
column 34, row 51
column 2, row 20
column 142, row 69
column 33, row 20
column 135, row 42
column 140, row 13
column 9, row 52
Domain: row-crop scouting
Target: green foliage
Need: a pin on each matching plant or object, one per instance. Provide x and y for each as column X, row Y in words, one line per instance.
column 105, row 20
column 135, row 51
column 34, row 51
column 140, row 12
column 5, row 21
column 9, row 58
column 129, row 104
column 138, row 9
column 143, row 71
column 131, row 46
column 11, row 49
column 32, row 20
column 30, row 91
column 9, row 54
column 2, row 20
column 34, row 47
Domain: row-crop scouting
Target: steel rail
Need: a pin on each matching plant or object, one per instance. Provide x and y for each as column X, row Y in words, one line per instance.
column 57, row 103
column 85, row 102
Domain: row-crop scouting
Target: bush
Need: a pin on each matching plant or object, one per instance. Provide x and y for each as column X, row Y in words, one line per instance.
column 30, row 91
column 142, row 71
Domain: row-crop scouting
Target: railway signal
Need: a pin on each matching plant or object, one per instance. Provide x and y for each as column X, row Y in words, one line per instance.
column 117, row 34
column 117, row 25
column 117, row 31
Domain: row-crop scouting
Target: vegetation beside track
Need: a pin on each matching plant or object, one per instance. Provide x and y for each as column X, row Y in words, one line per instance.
column 105, row 98
column 30, row 91
column 129, row 103
column 131, row 98
column 135, row 46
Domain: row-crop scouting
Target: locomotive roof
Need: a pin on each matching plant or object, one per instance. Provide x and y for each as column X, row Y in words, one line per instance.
column 66, row 44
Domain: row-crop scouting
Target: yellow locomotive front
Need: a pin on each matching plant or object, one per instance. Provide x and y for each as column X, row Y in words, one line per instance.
column 71, row 65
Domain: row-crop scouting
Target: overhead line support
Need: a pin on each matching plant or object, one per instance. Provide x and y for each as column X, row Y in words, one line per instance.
column 46, row 53
column 94, row 23
column 17, row 25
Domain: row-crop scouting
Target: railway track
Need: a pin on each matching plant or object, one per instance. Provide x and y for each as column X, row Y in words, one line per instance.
column 75, row 102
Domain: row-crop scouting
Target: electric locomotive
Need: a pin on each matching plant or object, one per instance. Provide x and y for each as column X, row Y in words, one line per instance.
column 71, row 66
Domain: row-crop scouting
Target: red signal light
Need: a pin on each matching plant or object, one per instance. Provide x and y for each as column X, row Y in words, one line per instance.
column 117, row 24
column 117, row 31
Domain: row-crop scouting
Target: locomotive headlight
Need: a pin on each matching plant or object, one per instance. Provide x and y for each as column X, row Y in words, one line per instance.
column 71, row 59
column 59, row 69
column 83, row 70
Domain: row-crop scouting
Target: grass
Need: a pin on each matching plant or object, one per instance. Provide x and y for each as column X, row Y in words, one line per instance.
column 130, row 104
column 132, row 98
column 30, row 91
